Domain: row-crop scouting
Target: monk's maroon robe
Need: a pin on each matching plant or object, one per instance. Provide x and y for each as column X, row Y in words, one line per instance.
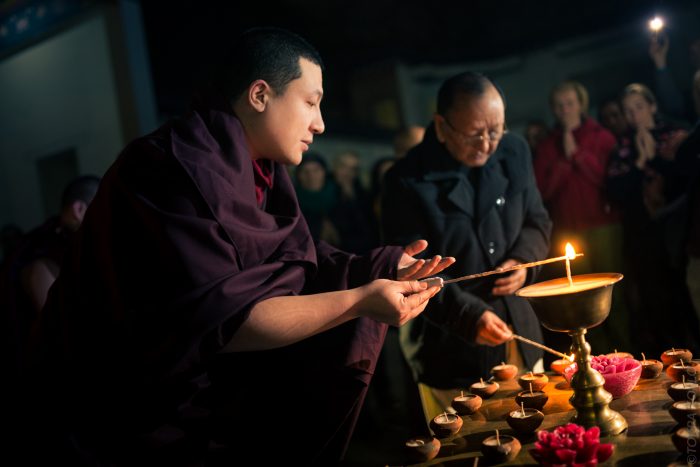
column 172, row 255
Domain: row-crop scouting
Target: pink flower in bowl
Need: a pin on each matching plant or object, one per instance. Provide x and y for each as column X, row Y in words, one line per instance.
column 571, row 446
column 621, row 374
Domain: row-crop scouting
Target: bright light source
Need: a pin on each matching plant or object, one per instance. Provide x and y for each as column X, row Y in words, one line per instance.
column 656, row 24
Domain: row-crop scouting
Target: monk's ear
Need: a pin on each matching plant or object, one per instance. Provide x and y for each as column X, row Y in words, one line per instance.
column 259, row 93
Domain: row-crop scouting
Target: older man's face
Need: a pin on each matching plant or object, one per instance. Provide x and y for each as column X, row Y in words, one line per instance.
column 473, row 127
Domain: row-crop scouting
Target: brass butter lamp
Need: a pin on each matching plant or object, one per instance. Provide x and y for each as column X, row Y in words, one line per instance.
column 574, row 305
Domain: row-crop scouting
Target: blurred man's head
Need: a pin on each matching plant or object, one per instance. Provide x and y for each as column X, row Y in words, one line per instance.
column 407, row 138
column 535, row 131
column 346, row 168
column 76, row 198
column 470, row 118
column 612, row 117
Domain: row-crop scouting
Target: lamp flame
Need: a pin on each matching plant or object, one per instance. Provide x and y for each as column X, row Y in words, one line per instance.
column 570, row 252
column 656, row 24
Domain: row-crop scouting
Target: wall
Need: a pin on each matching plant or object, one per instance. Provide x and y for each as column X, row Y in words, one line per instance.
column 74, row 90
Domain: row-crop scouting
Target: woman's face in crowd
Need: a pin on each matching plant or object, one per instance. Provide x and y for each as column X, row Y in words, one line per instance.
column 311, row 176
column 567, row 108
column 638, row 112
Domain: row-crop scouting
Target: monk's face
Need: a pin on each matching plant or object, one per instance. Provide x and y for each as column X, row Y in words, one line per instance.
column 291, row 119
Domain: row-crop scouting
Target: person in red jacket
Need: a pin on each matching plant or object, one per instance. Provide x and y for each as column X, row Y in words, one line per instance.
column 571, row 167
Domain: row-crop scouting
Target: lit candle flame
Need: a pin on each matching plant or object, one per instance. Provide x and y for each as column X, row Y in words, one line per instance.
column 570, row 254
column 656, row 24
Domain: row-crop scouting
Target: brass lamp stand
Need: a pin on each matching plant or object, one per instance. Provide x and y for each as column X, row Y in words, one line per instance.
column 573, row 310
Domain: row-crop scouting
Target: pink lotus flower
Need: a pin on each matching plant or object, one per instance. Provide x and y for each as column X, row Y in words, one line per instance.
column 571, row 446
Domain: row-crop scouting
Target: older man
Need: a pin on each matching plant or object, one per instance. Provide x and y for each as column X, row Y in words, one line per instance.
column 469, row 189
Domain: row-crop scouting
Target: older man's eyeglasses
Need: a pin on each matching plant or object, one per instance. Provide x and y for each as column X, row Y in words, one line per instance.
column 493, row 136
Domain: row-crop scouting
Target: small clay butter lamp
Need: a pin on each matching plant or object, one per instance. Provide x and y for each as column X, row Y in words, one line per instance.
column 558, row 366
column 684, row 391
column 484, row 390
column 686, row 439
column 676, row 371
column 446, row 424
column 466, row 404
column 685, row 412
column 672, row 356
column 500, row 448
column 651, row 368
column 617, row 354
column 422, row 449
column 504, row 372
column 525, row 420
column 537, row 380
column 532, row 399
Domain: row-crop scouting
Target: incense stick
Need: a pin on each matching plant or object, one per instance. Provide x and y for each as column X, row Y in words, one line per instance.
column 543, row 347
column 512, row 268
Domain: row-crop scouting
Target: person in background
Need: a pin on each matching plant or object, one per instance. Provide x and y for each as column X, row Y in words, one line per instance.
column 196, row 296
column 407, row 138
column 685, row 193
column 535, row 132
column 317, row 197
column 469, row 189
column 352, row 211
column 612, row 118
column 672, row 101
column 35, row 262
column 25, row 279
column 571, row 171
column 653, row 253
column 10, row 238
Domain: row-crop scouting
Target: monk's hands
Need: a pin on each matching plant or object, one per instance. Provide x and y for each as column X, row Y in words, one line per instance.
column 411, row 268
column 394, row 302
column 512, row 282
column 492, row 330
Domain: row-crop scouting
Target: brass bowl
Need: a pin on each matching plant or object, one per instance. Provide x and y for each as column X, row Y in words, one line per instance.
column 563, row 311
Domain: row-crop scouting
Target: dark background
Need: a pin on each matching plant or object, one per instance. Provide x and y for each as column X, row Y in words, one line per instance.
column 186, row 36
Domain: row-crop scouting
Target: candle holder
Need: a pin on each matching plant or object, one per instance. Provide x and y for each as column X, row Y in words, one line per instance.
column 422, row 449
column 671, row 356
column 504, row 371
column 446, row 424
column 500, row 448
column 685, row 412
column 484, row 389
column 558, row 366
column 574, row 309
column 532, row 399
column 686, row 439
column 651, row 368
column 684, row 391
column 682, row 370
column 524, row 420
column 536, row 381
column 466, row 404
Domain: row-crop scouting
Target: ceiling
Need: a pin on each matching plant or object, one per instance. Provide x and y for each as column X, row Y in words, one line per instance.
column 350, row 34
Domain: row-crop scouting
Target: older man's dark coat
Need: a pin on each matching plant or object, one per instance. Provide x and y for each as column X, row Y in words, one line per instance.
column 481, row 217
